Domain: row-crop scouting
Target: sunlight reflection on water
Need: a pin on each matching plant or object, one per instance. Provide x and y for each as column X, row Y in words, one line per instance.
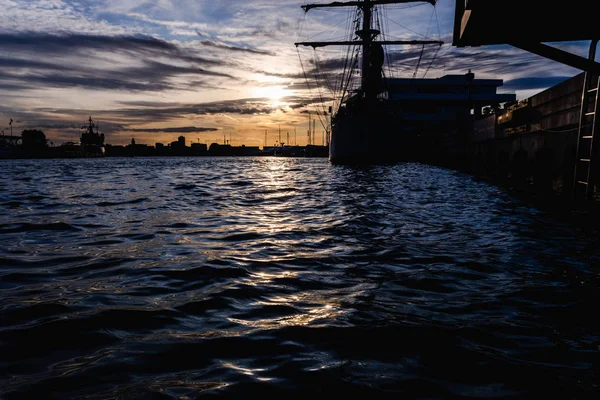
column 256, row 276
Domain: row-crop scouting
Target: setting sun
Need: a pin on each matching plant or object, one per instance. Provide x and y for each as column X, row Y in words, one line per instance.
column 271, row 92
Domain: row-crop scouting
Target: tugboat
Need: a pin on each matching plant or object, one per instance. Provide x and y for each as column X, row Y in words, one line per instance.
column 92, row 141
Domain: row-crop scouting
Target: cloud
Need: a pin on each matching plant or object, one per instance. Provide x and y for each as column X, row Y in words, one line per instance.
column 534, row 82
column 28, row 64
column 36, row 60
column 142, row 112
column 48, row 43
column 239, row 107
column 222, row 46
column 184, row 129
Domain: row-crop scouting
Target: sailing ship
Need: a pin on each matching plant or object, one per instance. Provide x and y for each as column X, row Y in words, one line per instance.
column 366, row 128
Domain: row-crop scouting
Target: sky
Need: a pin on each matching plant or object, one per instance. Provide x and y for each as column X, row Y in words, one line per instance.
column 213, row 70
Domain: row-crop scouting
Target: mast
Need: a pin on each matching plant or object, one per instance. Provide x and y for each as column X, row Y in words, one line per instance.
column 366, row 34
column 314, row 45
column 372, row 50
column 308, row 140
column 367, row 37
column 307, row 7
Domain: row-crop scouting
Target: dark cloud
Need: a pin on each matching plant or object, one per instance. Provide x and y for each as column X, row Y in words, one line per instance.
column 301, row 102
column 20, row 63
column 45, row 44
column 411, row 54
column 51, row 45
column 311, row 112
column 208, row 43
column 151, row 104
column 153, row 68
column 299, row 75
column 56, row 80
column 497, row 61
column 53, row 126
column 12, row 86
column 264, row 32
column 279, row 27
column 35, row 60
column 534, row 83
column 73, row 126
column 142, row 112
column 332, row 64
column 184, row 129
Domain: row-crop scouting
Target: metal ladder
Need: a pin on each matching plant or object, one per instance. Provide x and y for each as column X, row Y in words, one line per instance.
column 584, row 179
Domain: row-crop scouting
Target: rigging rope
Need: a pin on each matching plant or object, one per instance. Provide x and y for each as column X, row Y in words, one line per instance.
column 437, row 20
column 419, row 61
column 317, row 73
column 432, row 60
column 308, row 85
column 423, row 48
column 439, row 38
column 337, row 84
column 303, row 70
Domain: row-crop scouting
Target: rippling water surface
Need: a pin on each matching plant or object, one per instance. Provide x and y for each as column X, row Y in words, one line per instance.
column 267, row 277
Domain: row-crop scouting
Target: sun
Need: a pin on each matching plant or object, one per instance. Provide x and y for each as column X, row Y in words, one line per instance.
column 273, row 93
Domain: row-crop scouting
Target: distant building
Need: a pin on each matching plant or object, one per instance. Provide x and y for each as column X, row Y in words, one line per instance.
column 244, row 150
column 178, row 148
column 429, row 104
column 116, row 150
column 198, row 149
column 437, row 114
column 217, row 149
column 143, row 150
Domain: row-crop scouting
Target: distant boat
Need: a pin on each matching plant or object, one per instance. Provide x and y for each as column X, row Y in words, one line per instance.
column 366, row 128
column 71, row 150
column 92, row 141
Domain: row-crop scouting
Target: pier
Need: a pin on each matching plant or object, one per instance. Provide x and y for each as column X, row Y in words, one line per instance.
column 567, row 129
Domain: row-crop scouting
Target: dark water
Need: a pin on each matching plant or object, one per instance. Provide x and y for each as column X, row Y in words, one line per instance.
column 273, row 278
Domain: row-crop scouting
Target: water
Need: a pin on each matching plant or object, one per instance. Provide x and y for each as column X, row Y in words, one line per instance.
column 181, row 278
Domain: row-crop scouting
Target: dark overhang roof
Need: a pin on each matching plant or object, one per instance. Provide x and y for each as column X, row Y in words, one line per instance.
column 485, row 22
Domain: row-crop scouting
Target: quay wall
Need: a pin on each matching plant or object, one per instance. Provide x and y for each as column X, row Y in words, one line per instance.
column 530, row 144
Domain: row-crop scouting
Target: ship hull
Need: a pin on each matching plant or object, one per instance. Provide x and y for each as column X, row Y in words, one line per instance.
column 369, row 135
